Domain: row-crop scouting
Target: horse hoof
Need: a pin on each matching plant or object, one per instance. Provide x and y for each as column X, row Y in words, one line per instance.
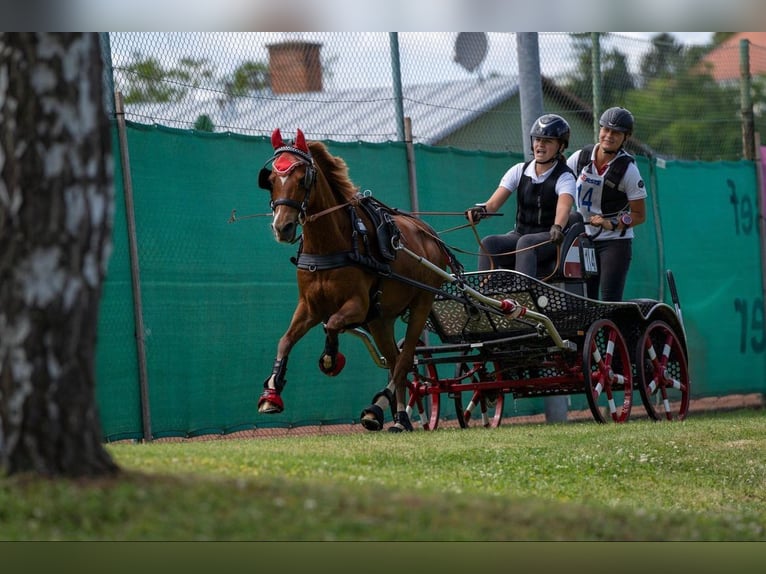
column 401, row 423
column 372, row 418
column 270, row 402
column 331, row 367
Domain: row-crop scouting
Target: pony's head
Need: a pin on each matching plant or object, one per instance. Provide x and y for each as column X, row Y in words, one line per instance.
column 289, row 181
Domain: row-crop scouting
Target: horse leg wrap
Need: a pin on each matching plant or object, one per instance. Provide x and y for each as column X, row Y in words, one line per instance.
column 278, row 371
column 272, row 396
column 332, row 361
column 376, row 423
column 401, row 423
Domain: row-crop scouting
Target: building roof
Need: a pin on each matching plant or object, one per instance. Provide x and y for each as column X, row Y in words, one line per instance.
column 359, row 114
column 724, row 59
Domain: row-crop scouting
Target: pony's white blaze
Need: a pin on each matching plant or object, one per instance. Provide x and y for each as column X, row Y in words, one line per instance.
column 284, row 223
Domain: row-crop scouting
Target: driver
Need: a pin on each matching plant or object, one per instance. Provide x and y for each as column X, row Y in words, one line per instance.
column 546, row 194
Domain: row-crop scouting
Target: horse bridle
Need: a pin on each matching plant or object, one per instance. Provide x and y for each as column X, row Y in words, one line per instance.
column 308, row 180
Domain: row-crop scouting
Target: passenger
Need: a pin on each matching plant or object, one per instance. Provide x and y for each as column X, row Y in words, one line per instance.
column 546, row 194
column 612, row 206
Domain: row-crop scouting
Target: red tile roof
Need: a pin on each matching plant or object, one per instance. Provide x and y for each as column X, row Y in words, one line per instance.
column 725, row 58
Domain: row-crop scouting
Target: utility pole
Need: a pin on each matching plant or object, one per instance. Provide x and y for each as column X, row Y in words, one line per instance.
column 531, row 101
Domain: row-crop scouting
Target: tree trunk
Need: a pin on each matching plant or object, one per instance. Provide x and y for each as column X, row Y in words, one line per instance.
column 56, row 211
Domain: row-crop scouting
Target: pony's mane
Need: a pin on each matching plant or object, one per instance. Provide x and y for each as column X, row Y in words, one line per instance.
column 334, row 169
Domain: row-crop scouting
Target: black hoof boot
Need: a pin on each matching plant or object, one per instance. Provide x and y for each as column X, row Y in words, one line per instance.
column 374, row 422
column 401, row 423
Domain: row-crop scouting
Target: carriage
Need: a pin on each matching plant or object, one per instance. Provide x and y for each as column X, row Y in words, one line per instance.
column 562, row 343
column 362, row 265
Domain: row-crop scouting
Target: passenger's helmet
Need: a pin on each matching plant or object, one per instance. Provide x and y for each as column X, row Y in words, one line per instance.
column 550, row 126
column 617, row 119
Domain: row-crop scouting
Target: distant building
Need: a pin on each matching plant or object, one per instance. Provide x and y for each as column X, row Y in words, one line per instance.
column 724, row 61
column 478, row 113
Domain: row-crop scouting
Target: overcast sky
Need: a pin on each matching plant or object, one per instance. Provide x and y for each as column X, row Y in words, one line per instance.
column 378, row 15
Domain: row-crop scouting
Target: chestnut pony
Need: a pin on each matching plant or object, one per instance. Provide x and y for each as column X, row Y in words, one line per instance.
column 347, row 277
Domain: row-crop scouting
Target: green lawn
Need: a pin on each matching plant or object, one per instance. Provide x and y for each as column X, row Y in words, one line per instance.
column 702, row 479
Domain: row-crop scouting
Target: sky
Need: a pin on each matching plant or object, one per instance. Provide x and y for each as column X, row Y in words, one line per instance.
column 426, row 56
column 381, row 15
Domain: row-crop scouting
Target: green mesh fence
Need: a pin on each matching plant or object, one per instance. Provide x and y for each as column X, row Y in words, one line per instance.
column 217, row 295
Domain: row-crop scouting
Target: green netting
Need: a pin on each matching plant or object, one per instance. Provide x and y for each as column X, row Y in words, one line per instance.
column 218, row 295
column 711, row 241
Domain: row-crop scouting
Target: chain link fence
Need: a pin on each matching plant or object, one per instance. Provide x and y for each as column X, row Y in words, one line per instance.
column 458, row 89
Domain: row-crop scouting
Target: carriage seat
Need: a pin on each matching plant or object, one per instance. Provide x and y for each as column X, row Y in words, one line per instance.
column 577, row 261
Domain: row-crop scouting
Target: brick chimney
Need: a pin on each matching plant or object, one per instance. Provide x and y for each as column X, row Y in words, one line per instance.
column 294, row 67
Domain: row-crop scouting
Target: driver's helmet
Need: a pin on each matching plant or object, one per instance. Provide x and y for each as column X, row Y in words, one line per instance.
column 550, row 126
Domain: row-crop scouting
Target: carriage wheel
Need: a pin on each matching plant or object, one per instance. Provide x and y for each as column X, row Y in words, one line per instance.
column 422, row 400
column 608, row 372
column 490, row 403
column 663, row 376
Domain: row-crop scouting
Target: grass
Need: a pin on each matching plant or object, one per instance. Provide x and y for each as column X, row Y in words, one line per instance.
column 703, row 479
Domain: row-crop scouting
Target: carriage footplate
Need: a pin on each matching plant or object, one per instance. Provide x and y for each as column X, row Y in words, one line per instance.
column 372, row 416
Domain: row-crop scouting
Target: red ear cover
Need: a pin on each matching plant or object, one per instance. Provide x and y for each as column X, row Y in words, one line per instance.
column 276, row 139
column 300, row 142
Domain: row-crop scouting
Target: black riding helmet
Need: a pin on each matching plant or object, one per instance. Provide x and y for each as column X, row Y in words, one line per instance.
column 550, row 126
column 617, row 119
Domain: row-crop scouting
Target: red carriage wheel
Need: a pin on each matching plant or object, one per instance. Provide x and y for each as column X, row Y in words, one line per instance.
column 663, row 375
column 490, row 402
column 423, row 394
column 607, row 372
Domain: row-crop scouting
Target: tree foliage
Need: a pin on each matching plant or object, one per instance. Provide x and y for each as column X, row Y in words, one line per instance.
column 149, row 81
column 248, row 77
column 673, row 97
column 616, row 79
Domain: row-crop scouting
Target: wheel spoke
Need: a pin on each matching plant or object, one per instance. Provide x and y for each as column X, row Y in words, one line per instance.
column 607, row 372
column 663, row 373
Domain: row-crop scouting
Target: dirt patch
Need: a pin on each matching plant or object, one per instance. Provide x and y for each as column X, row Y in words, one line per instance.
column 707, row 404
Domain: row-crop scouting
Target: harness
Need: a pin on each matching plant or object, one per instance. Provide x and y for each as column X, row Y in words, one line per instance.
column 614, row 200
column 380, row 215
column 388, row 235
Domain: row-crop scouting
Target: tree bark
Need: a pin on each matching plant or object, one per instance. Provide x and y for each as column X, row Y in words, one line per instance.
column 56, row 212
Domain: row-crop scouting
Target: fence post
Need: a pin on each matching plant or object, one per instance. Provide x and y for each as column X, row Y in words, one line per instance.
column 397, row 78
column 746, row 102
column 596, row 81
column 138, row 312
column 531, row 100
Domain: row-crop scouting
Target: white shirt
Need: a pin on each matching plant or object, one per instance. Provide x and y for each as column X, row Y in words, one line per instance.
column 590, row 190
column 565, row 183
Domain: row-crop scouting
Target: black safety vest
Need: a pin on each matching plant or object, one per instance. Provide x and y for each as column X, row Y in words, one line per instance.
column 536, row 202
column 613, row 200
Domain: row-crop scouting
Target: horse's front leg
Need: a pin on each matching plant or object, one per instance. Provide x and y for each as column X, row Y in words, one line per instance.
column 353, row 311
column 270, row 401
column 332, row 360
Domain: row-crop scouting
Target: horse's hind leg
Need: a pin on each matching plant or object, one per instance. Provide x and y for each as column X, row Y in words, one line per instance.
column 372, row 416
column 419, row 310
column 395, row 392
